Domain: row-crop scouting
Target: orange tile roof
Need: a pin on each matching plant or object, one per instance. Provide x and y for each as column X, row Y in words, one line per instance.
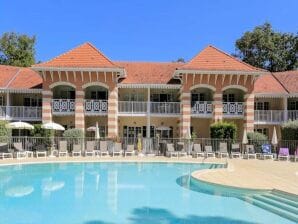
column 211, row 58
column 267, row 83
column 83, row 56
column 289, row 79
column 148, row 72
column 12, row 77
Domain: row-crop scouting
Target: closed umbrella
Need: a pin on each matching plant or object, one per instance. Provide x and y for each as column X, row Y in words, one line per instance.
column 274, row 140
column 97, row 136
column 244, row 138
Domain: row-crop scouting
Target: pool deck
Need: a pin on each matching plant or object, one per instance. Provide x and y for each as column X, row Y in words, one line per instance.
column 254, row 174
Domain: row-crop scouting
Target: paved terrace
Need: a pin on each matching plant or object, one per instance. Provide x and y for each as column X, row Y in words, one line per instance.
column 256, row 174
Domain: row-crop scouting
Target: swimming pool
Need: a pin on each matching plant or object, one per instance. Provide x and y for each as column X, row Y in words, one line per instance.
column 106, row 193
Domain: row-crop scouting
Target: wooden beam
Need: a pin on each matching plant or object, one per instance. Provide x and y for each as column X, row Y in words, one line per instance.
column 52, row 77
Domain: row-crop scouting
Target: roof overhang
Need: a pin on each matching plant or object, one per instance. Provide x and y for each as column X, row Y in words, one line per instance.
column 271, row 95
column 20, row 90
column 145, row 86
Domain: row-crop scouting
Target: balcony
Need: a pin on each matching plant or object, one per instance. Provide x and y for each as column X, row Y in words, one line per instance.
column 63, row 106
column 202, row 109
column 292, row 115
column 132, row 107
column 20, row 113
column 269, row 116
column 96, row 107
column 233, row 109
column 169, row 108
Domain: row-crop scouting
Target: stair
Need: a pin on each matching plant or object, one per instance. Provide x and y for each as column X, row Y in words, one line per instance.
column 276, row 204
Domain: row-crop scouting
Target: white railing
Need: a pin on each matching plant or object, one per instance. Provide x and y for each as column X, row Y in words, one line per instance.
column 270, row 116
column 20, row 113
column 293, row 115
column 96, row 106
column 63, row 106
column 202, row 108
column 134, row 107
column 165, row 107
column 233, row 108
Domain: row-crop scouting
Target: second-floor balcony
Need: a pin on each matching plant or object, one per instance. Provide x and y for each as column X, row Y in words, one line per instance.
column 274, row 116
column 233, row 109
column 63, row 106
column 96, row 107
column 202, row 108
column 132, row 107
column 20, row 113
column 165, row 107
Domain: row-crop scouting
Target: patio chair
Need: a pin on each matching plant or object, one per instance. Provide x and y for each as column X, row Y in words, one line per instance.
column 249, row 152
column 266, row 151
column 129, row 150
column 117, row 149
column 283, row 154
column 197, row 150
column 103, row 148
column 76, row 150
column 62, row 148
column 90, row 146
column 19, row 151
column 182, row 149
column 208, row 151
column 171, row 150
column 223, row 149
column 4, row 152
column 235, row 150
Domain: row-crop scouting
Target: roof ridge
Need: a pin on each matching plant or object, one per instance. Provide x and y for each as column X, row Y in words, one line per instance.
column 13, row 78
column 283, row 86
column 149, row 62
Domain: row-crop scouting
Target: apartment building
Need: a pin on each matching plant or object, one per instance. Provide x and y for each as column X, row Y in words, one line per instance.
column 83, row 86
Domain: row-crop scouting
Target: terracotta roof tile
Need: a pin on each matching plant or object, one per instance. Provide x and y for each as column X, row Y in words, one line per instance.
column 12, row 77
column 85, row 56
column 268, row 84
column 288, row 79
column 211, row 58
column 148, row 72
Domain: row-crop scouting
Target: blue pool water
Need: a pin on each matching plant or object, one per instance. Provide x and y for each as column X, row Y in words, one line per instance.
column 106, row 193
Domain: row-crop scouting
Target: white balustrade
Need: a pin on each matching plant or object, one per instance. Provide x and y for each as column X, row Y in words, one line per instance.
column 20, row 113
column 270, row 116
column 96, row 107
column 63, row 106
column 202, row 108
column 165, row 107
column 293, row 115
column 132, row 107
column 233, row 108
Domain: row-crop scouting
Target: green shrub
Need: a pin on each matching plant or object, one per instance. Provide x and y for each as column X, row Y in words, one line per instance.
column 289, row 130
column 4, row 131
column 257, row 139
column 73, row 133
column 40, row 132
column 223, row 130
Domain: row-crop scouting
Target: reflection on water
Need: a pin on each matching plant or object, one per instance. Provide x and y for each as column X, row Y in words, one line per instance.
column 79, row 185
column 19, row 191
column 112, row 190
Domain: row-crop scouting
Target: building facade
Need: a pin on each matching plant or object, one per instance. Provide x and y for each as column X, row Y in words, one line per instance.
column 127, row 99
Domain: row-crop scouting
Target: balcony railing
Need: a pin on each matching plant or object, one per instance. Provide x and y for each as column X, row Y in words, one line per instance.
column 270, row 116
column 165, row 107
column 233, row 108
column 96, row 107
column 293, row 115
column 132, row 107
column 63, row 106
column 202, row 108
column 20, row 113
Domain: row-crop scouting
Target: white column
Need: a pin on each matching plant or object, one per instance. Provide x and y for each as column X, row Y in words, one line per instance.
column 148, row 114
column 7, row 105
column 285, row 107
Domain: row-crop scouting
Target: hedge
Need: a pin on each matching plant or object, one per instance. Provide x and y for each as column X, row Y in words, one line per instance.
column 223, row 130
column 289, row 130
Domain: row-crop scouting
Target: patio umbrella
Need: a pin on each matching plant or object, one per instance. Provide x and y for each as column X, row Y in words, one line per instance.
column 244, row 138
column 274, row 137
column 20, row 126
column 92, row 128
column 53, row 126
column 97, row 136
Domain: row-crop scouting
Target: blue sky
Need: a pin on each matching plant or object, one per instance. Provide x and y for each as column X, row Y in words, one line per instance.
column 136, row 30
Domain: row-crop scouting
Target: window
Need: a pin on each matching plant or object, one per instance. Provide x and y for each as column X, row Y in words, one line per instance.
column 99, row 95
column 293, row 105
column 32, row 102
column 228, row 97
column 68, row 94
column 1, row 101
column 163, row 97
column 261, row 106
column 134, row 97
column 197, row 97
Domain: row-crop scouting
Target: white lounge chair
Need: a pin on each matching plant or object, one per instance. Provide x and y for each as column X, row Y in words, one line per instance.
column 19, row 151
column 62, row 149
column 117, row 149
column 235, row 151
column 208, row 151
column 90, row 146
column 223, row 149
column 197, row 151
column 76, row 150
column 182, row 149
column 4, row 152
column 103, row 148
column 171, row 150
column 249, row 152
column 129, row 150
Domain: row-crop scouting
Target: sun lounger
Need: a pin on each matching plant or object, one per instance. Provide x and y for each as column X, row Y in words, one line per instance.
column 171, row 150
column 129, row 150
column 41, row 150
column 4, row 152
column 249, row 152
column 90, row 148
column 197, row 150
column 117, row 149
column 283, row 154
column 208, row 151
column 19, row 151
column 182, row 149
column 223, row 149
column 103, row 148
column 62, row 148
column 76, row 150
column 266, row 151
column 235, row 150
